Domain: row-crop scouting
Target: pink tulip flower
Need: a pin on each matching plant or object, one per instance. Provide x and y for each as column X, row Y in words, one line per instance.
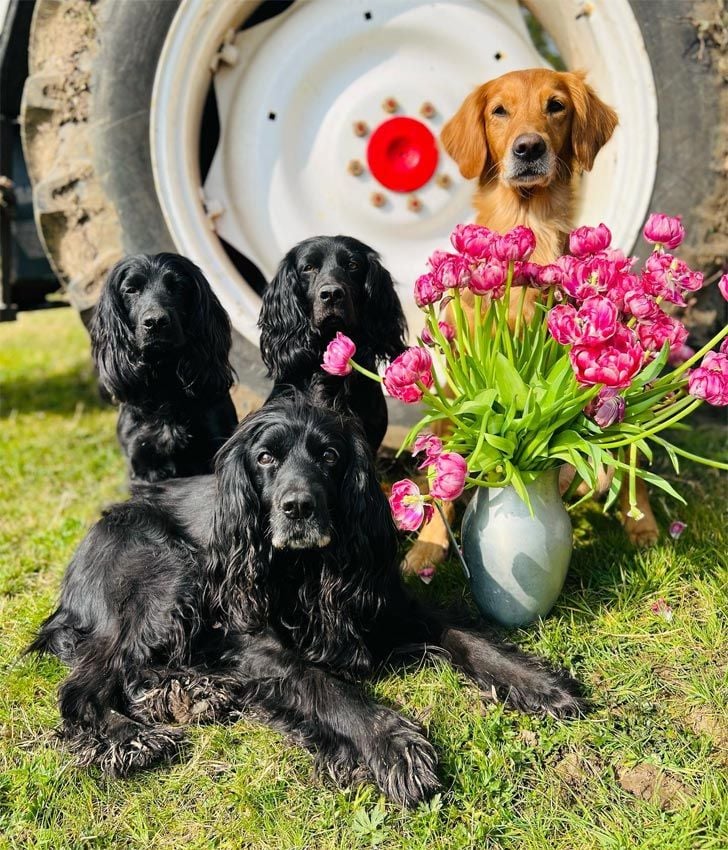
column 664, row 230
column 723, row 286
column 641, row 305
column 551, row 275
column 430, row 445
column 562, row 324
column 595, row 321
column 446, row 329
column 724, row 346
column 408, row 505
column 450, row 472
column 473, row 240
column 450, row 271
column 654, row 333
column 527, row 274
column 427, row 290
column 710, row 380
column 338, row 354
column 488, row 277
column 403, row 374
column 614, row 364
column 589, row 240
column 517, row 244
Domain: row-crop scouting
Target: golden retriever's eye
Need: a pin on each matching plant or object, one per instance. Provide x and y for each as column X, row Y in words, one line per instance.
column 265, row 459
column 330, row 456
column 500, row 110
column 554, row 106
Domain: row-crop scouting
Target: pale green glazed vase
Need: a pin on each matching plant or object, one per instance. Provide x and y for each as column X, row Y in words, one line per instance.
column 517, row 563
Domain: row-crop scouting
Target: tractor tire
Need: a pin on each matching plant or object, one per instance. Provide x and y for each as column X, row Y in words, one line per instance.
column 85, row 119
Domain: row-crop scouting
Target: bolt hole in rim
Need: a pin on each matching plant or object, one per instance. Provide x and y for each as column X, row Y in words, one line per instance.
column 291, row 89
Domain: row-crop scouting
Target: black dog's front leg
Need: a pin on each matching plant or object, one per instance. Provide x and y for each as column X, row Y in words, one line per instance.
column 524, row 681
column 352, row 736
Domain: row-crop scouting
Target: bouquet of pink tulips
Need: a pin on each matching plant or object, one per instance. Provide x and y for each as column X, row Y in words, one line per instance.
column 591, row 379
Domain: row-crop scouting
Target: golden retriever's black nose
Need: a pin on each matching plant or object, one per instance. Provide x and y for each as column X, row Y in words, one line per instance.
column 298, row 505
column 529, row 147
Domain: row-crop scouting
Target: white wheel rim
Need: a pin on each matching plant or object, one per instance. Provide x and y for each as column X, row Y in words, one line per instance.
column 322, row 65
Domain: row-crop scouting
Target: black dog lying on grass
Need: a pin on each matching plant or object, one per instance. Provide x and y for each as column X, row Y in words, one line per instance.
column 323, row 285
column 271, row 587
column 161, row 341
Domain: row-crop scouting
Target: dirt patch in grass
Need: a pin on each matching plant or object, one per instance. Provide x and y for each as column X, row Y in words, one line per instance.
column 649, row 783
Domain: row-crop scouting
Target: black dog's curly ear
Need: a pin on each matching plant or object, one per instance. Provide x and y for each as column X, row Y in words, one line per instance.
column 383, row 322
column 370, row 544
column 285, row 329
column 205, row 366
column 113, row 346
column 237, row 586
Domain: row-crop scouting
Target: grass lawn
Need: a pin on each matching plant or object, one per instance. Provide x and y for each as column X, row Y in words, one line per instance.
column 647, row 769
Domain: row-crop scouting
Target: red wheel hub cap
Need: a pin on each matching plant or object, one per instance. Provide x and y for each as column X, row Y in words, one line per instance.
column 402, row 154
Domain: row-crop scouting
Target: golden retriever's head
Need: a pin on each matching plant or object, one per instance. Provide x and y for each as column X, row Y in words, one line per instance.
column 527, row 127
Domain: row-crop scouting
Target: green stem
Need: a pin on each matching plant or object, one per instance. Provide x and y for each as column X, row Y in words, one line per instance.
column 694, row 359
column 363, row 371
column 686, row 411
column 521, row 302
column 455, row 377
column 716, row 464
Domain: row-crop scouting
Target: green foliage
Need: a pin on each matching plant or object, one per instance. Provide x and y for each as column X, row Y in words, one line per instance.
column 510, row 782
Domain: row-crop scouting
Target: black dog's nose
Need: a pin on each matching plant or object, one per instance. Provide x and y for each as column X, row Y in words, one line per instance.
column 298, row 505
column 155, row 321
column 529, row 147
column 331, row 294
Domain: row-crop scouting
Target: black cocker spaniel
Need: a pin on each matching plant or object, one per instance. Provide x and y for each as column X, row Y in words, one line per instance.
column 161, row 341
column 324, row 285
column 273, row 588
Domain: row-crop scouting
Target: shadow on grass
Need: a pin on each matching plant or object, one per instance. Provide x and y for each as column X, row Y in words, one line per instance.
column 57, row 393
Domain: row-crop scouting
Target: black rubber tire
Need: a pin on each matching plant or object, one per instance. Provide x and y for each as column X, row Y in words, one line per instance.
column 127, row 38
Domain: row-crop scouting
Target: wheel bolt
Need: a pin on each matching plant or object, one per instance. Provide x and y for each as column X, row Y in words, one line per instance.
column 378, row 199
column 414, row 204
column 361, row 128
column 427, row 110
column 355, row 168
column 390, row 105
column 444, row 181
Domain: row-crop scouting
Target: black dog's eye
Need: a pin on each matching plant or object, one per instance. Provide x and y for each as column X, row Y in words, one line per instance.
column 554, row 106
column 130, row 287
column 353, row 265
column 500, row 110
column 265, row 459
column 330, row 456
column 308, row 267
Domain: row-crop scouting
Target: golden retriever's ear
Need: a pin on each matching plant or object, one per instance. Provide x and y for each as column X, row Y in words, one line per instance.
column 463, row 137
column 593, row 122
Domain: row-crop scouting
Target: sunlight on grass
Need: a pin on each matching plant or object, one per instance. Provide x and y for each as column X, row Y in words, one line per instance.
column 646, row 769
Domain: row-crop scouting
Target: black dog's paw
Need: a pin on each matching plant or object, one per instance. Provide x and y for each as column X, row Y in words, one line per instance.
column 404, row 763
column 186, row 698
column 120, row 746
column 546, row 691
